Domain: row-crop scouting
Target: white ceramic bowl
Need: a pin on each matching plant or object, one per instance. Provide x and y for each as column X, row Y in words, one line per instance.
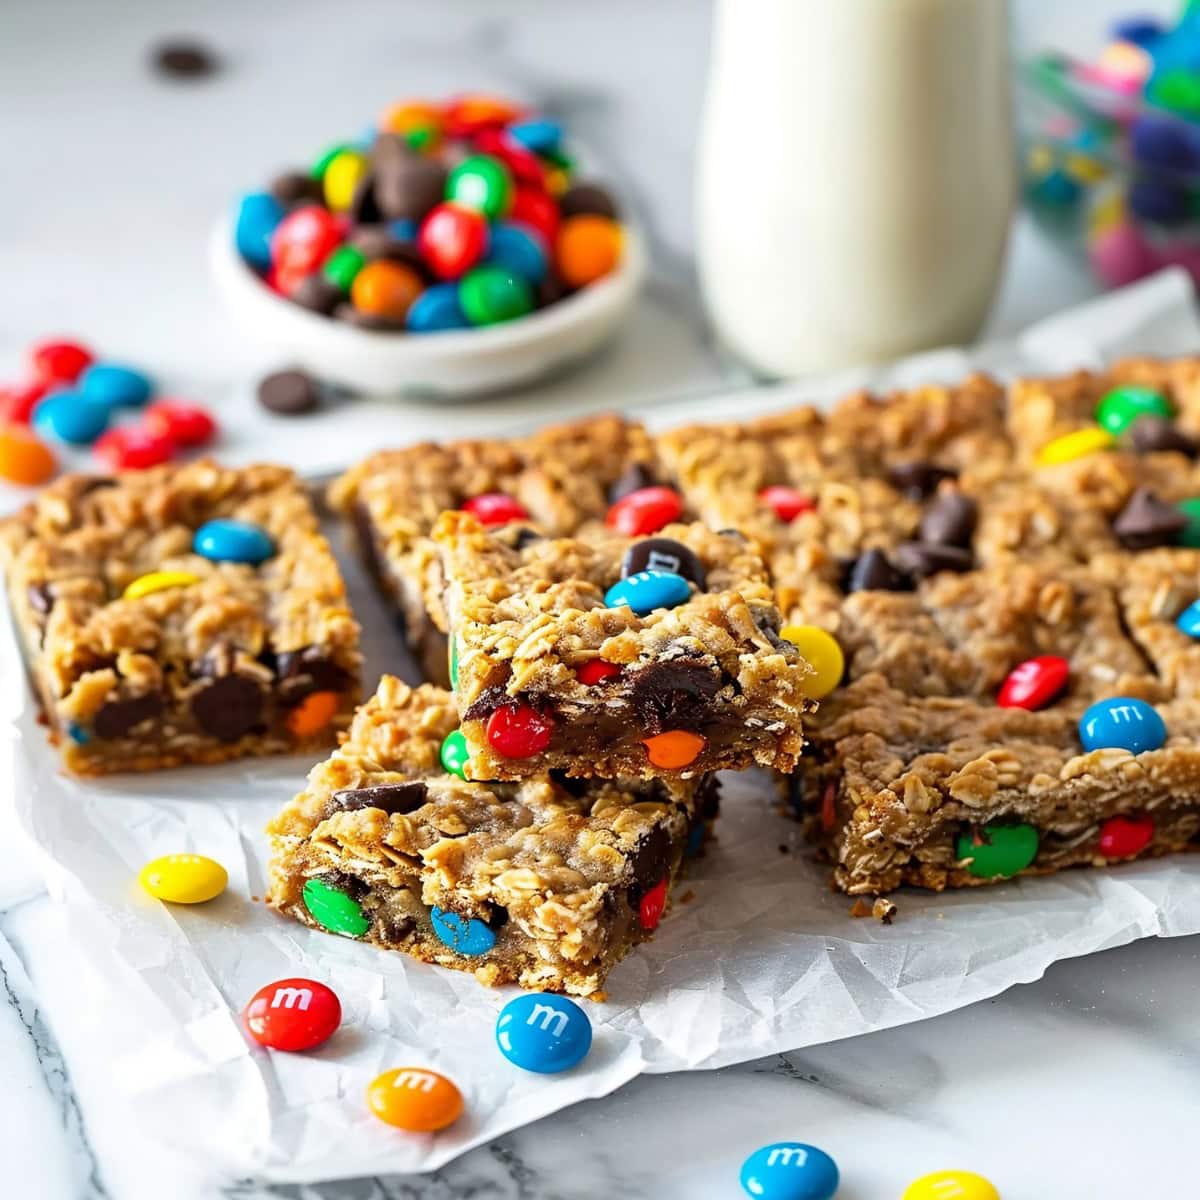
column 451, row 365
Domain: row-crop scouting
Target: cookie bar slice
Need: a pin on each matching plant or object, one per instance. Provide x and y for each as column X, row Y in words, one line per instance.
column 614, row 656
column 547, row 883
column 188, row 614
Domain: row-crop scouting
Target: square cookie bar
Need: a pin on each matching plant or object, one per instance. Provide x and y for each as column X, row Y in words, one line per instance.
column 188, row 614
column 547, row 883
column 614, row 656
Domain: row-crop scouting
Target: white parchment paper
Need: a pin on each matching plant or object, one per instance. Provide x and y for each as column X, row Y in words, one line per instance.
column 757, row 956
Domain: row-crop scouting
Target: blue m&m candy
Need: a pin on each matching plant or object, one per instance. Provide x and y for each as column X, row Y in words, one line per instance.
column 116, row 386
column 226, row 540
column 518, row 249
column 403, row 229
column 647, row 590
column 789, row 1171
column 257, row 215
column 1124, row 723
column 436, row 309
column 70, row 416
column 467, row 935
column 544, row 1033
column 1188, row 621
column 538, row 135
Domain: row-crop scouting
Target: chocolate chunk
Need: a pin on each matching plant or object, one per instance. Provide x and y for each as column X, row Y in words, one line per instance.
column 949, row 520
column 390, row 797
column 229, row 707
column 486, row 703
column 407, row 184
column 871, row 571
column 377, row 241
column 1146, row 522
column 41, row 598
column 498, row 917
column 1152, row 434
column 289, row 393
column 673, row 695
column 307, row 670
column 118, row 717
column 569, row 783
column 364, row 208
column 651, row 858
column 184, row 58
column 587, row 198
column 635, row 476
column 733, row 533
column 663, row 554
column 769, row 621
column 917, row 480
column 921, row 559
column 341, row 881
column 550, row 290
column 317, row 294
column 292, row 188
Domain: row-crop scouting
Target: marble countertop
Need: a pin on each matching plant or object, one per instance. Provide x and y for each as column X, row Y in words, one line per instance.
column 1069, row 1087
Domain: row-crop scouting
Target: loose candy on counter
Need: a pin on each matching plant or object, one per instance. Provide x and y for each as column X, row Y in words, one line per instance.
column 333, row 909
column 25, row 459
column 289, row 393
column 415, row 1099
column 293, row 1014
column 544, row 1033
column 489, row 295
column 115, row 385
column 652, row 906
column 644, row 510
column 129, row 448
column 186, row 425
column 648, row 590
column 56, row 362
column 675, row 749
column 950, row 1185
column 454, row 754
column 453, row 239
column 822, row 652
column 1034, row 683
column 436, row 309
column 1124, row 837
column 519, row 731
column 158, row 581
column 495, row 508
column 184, row 878
column 999, row 850
column 789, row 1171
column 464, row 935
column 1124, row 723
column 70, row 416
column 258, row 216
column 228, row 540
column 17, row 403
column 589, row 247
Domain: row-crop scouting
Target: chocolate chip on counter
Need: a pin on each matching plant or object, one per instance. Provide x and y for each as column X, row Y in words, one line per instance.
column 673, row 695
column 663, row 554
column 949, row 520
column 41, row 598
column 651, row 857
column 307, row 670
column 289, row 393
column 1152, row 434
column 390, row 797
column 291, row 188
column 635, row 476
column 229, row 707
column 918, row 480
column 317, row 294
column 407, row 185
column 117, row 717
column 921, row 559
column 588, row 198
column 1146, row 521
column 184, row 58
column 871, row 571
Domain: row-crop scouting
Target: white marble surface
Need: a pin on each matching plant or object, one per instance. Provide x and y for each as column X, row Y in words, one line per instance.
column 1076, row 1086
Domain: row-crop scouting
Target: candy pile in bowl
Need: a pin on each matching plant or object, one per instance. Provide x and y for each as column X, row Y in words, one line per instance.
column 446, row 216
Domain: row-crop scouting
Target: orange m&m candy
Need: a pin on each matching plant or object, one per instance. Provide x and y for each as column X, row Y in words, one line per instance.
column 415, row 1099
column 589, row 247
column 24, row 458
column 312, row 714
column 674, row 749
column 385, row 289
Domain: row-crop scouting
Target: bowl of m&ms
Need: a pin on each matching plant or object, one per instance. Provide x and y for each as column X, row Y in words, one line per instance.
column 451, row 249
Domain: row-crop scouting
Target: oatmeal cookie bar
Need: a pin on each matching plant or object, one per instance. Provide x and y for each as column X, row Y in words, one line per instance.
column 617, row 656
column 547, row 883
column 150, row 646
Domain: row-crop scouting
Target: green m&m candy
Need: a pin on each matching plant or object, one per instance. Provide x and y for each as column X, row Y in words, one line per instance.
column 998, row 851
column 333, row 909
column 455, row 755
column 342, row 265
column 489, row 295
column 1189, row 535
column 483, row 183
column 453, row 661
column 1122, row 406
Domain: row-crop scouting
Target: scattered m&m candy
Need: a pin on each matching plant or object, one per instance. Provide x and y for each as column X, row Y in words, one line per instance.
column 822, row 653
column 647, row 590
column 184, row 878
column 228, row 540
column 645, row 510
column 71, row 417
column 1124, row 723
column 999, row 850
column 59, row 362
column 24, row 458
column 128, row 448
column 519, row 731
column 789, row 1171
column 415, row 1099
column 184, row 424
column 293, row 1014
column 466, row 935
column 1034, row 683
column 116, row 386
column 950, row 1185
column 544, row 1033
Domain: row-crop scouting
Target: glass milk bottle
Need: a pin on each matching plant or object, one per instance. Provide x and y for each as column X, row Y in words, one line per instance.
column 856, row 177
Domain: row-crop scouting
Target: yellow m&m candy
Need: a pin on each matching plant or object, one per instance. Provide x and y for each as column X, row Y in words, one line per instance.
column 184, row 878
column 823, row 654
column 1075, row 445
column 950, row 1185
column 341, row 177
column 157, row 581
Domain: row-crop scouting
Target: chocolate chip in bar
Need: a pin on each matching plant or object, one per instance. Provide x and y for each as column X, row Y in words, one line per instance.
column 635, row 476
column 307, row 670
column 1152, row 434
column 651, row 858
column 949, row 520
column 229, row 707
column 1146, row 522
column 524, row 536
column 587, row 198
column 673, row 695
column 918, row 480
column 663, row 554
column 392, row 798
column 116, row 718
column 317, row 294
column 407, row 185
column 922, row 559
column 289, row 393
column 292, row 188
column 871, row 571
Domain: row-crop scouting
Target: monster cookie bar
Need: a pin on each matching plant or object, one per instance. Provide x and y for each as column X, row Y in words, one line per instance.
column 616, row 655
column 186, row 614
column 560, row 480
column 547, row 883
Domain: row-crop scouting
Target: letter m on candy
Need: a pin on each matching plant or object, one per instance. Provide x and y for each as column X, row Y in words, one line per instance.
column 547, row 1017
column 788, row 1156
column 289, row 997
column 417, row 1080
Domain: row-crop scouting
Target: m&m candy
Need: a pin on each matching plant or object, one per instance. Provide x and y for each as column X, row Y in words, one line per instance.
column 128, row 448
column 184, row 878
column 675, row 749
column 1075, row 445
column 1188, row 621
column 652, row 906
column 385, row 289
column 454, row 754
column 496, row 508
column 822, row 653
column 24, row 458
column 519, row 731
column 157, row 581
column 184, row 424
column 518, row 249
column 543, row 1033
column 787, row 502
column 17, row 403
column 116, row 386
column 341, row 178
column 950, row 1185
column 227, row 540
column 415, row 1099
column 437, row 308
column 999, row 850
column 789, row 1171
column 1122, row 722
column 589, row 247
column 334, row 909
column 71, row 417
column 1119, row 408
column 596, row 671
column 1034, row 683
column 483, row 183
column 258, row 216
column 1123, row 837
column 465, row 935
column 645, row 510
column 293, row 1014
column 304, row 239
column 59, row 362
column 453, row 239
column 491, row 294
column 648, row 590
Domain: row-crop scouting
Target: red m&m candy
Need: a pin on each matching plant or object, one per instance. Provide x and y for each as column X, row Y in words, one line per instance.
column 293, row 1014
column 184, row 424
column 452, row 239
column 128, row 448
column 525, row 166
column 518, row 731
column 538, row 210
column 1034, row 683
column 1123, row 837
column 303, row 240
column 17, row 403
column 60, row 362
column 650, row 910
column 645, row 511
column 787, row 502
column 496, row 508
column 596, row 671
